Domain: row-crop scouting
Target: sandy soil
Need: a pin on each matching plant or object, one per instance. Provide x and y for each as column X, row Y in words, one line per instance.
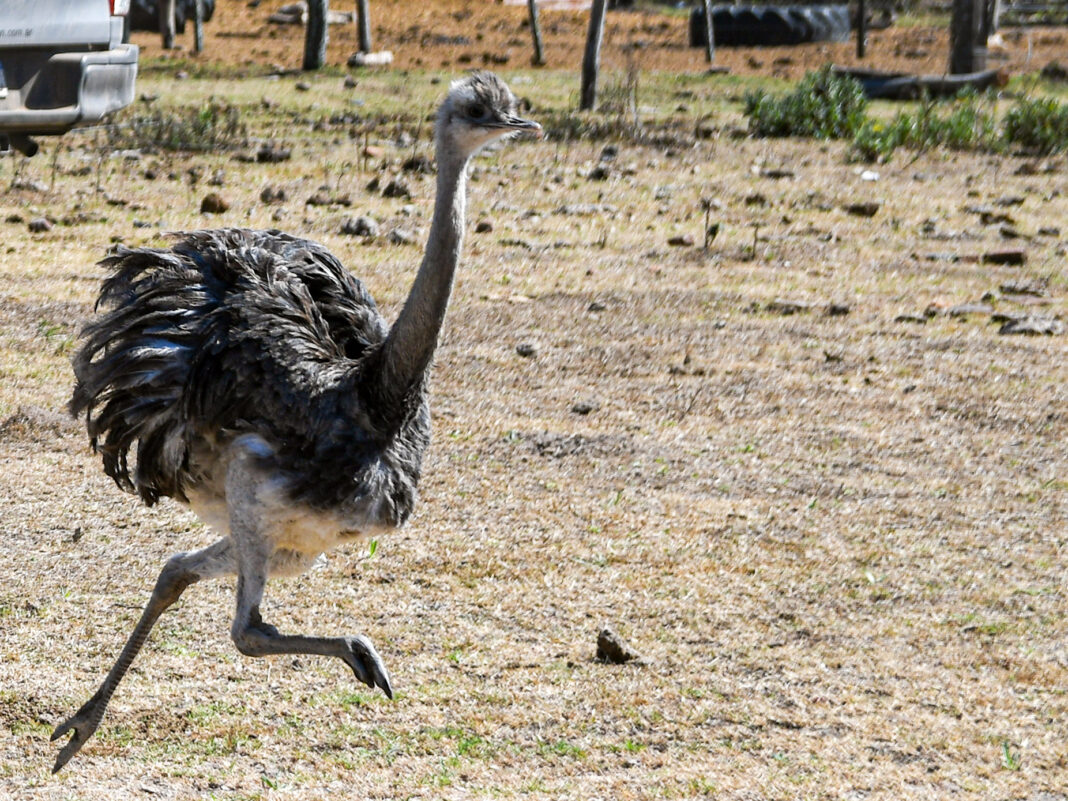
column 837, row 538
column 459, row 33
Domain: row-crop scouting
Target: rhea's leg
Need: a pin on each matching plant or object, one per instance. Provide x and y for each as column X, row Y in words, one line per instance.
column 250, row 502
column 253, row 637
column 180, row 571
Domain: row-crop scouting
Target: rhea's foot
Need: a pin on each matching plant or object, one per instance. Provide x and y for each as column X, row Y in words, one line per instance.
column 83, row 723
column 361, row 656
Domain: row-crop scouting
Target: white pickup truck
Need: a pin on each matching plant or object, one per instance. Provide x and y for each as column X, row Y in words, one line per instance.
column 62, row 64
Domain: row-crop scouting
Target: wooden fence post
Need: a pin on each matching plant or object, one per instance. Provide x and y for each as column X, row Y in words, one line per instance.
column 591, row 60
column 198, row 26
column 166, row 23
column 315, row 35
column 535, row 30
column 966, row 52
column 710, row 31
column 862, row 28
column 363, row 25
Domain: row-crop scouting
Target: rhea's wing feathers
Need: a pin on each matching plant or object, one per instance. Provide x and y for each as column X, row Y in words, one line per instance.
column 228, row 327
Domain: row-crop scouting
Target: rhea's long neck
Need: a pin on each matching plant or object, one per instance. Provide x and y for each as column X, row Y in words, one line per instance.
column 408, row 349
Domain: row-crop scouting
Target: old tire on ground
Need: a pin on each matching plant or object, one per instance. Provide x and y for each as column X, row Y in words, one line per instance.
column 144, row 14
column 771, row 25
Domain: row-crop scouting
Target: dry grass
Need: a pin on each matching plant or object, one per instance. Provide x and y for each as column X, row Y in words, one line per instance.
column 837, row 540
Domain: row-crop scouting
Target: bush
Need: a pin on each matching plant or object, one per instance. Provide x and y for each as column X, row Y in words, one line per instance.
column 824, row 105
column 1038, row 125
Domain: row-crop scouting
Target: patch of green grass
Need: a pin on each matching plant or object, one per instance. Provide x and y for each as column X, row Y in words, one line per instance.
column 1037, row 125
column 825, row 105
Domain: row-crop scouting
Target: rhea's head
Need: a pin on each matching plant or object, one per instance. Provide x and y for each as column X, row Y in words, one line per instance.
column 479, row 109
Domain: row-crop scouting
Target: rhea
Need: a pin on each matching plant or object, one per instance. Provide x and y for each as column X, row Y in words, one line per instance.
column 254, row 380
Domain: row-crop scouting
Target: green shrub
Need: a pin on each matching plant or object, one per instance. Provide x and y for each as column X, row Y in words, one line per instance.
column 824, row 105
column 966, row 122
column 1038, row 125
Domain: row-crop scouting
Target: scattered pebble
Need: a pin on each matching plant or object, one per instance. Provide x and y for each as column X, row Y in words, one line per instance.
column 783, row 306
column 612, row 648
column 273, row 194
column 303, row 86
column 596, row 306
column 585, row 407
column 360, row 226
column 1005, row 257
column 401, row 236
column 867, row 209
column 599, row 173
column 964, row 309
column 273, row 154
column 1033, row 326
column 837, row 309
column 527, row 350
column 682, row 241
column 39, row 225
column 483, row 227
column 396, row 188
column 213, row 203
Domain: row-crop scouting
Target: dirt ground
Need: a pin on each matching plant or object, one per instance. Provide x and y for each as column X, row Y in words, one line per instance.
column 836, row 536
column 468, row 33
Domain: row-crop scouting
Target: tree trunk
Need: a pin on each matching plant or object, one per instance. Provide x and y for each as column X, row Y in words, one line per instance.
column 966, row 52
column 862, row 28
column 710, row 32
column 315, row 35
column 591, row 60
column 363, row 25
column 535, row 30
column 198, row 26
column 166, row 23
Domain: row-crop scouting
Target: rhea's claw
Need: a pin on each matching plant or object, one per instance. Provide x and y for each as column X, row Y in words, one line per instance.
column 83, row 726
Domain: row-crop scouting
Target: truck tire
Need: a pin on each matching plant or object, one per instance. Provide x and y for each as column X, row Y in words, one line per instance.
column 752, row 26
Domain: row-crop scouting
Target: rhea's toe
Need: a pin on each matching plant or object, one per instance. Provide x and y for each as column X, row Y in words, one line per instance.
column 367, row 664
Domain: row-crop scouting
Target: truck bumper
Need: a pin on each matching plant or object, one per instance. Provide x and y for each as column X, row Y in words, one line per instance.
column 50, row 93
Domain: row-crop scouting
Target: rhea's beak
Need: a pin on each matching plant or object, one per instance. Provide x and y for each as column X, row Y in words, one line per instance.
column 520, row 125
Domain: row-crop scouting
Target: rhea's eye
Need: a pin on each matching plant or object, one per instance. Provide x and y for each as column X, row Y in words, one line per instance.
column 476, row 111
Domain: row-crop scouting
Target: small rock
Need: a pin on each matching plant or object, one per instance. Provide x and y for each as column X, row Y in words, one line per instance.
column 380, row 59
column 869, row 175
column 837, row 309
column 964, row 309
column 585, row 209
column 1022, row 288
column 585, row 407
column 1009, row 200
column 273, row 154
column 396, row 188
column 527, row 350
column 14, row 218
column 756, row 199
column 401, row 236
column 1008, row 232
column 418, row 163
column 360, row 226
column 273, row 194
column 218, row 178
column 322, row 198
column 786, row 307
column 213, row 203
column 596, row 306
column 373, row 152
column 350, row 82
column 38, row 225
column 483, row 227
column 599, row 173
column 1049, row 230
column 1033, row 326
column 303, row 86
column 866, row 209
column 682, row 241
column 911, row 318
column 612, row 648
column 609, row 153
column 1005, row 257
